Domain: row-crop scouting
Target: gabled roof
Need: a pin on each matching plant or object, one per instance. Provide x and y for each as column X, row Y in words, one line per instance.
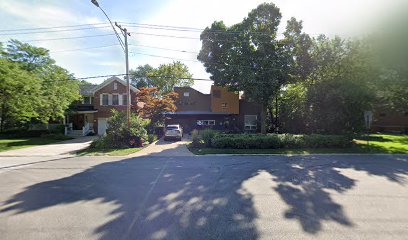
column 110, row 80
column 87, row 89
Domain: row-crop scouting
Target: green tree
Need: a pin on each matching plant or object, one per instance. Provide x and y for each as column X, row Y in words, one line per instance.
column 139, row 76
column 249, row 57
column 164, row 78
column 336, row 92
column 20, row 94
column 58, row 88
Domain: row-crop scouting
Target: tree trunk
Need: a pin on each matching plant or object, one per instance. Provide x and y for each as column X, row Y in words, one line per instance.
column 263, row 118
column 276, row 114
column 271, row 117
column 2, row 116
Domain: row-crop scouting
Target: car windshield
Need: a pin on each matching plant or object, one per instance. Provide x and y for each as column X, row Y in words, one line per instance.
column 172, row 128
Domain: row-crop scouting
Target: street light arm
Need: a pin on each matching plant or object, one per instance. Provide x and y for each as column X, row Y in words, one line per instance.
column 113, row 27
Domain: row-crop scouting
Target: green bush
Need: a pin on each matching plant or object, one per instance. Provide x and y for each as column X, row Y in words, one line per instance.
column 119, row 135
column 195, row 138
column 207, row 135
column 151, row 138
column 271, row 141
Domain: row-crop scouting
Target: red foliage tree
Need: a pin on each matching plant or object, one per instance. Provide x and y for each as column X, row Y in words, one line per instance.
column 151, row 105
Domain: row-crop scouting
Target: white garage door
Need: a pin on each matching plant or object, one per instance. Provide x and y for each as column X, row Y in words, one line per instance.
column 102, row 125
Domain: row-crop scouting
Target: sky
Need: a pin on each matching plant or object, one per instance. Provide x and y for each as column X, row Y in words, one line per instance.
column 100, row 53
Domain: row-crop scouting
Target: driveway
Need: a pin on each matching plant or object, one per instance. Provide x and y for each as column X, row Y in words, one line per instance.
column 24, row 156
column 207, row 197
column 163, row 148
column 68, row 147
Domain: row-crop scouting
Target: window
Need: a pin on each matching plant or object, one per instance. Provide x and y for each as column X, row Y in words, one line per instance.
column 105, row 99
column 186, row 94
column 87, row 100
column 250, row 122
column 217, row 93
column 124, row 99
column 224, row 105
column 205, row 122
column 115, row 86
column 115, row 100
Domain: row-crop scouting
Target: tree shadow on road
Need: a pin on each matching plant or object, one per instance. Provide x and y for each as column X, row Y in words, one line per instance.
column 172, row 198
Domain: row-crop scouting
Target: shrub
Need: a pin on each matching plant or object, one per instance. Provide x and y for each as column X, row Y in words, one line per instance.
column 195, row 138
column 207, row 135
column 151, row 138
column 246, row 141
column 119, row 135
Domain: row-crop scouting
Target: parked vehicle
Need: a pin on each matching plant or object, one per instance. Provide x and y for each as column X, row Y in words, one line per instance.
column 173, row 132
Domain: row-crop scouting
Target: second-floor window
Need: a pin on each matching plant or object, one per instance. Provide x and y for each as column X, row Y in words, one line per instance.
column 186, row 94
column 224, row 105
column 115, row 100
column 105, row 99
column 115, row 86
column 87, row 100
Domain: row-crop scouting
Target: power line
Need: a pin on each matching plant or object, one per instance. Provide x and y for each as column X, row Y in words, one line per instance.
column 167, row 49
column 52, row 31
column 159, row 56
column 66, row 38
column 79, row 49
column 55, row 27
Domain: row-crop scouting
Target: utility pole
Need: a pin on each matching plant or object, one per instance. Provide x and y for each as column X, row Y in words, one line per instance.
column 126, row 34
column 125, row 48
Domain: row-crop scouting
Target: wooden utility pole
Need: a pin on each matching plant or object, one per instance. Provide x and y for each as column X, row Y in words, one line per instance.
column 126, row 34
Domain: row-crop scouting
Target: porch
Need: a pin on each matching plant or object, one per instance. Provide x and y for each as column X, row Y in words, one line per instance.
column 80, row 123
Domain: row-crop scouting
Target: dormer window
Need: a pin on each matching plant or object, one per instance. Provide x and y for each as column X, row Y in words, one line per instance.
column 87, row 100
column 186, row 94
column 115, row 86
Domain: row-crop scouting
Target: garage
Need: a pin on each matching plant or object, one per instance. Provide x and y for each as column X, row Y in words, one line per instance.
column 102, row 125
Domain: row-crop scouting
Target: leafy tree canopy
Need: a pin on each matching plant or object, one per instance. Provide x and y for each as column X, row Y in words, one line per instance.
column 248, row 56
column 51, row 89
column 164, row 78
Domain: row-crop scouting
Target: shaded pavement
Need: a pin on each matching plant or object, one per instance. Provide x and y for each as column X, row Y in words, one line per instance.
column 208, row 197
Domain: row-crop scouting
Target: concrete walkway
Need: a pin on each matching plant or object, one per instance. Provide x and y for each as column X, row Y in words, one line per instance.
column 63, row 148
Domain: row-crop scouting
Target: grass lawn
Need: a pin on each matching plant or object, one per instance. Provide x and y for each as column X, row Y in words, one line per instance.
column 17, row 143
column 108, row 152
column 378, row 143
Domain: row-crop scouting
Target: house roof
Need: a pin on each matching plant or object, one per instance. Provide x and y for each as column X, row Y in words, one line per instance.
column 110, row 80
column 196, row 113
column 87, row 89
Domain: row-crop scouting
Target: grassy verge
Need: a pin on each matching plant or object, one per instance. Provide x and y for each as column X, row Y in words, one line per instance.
column 377, row 143
column 108, row 152
column 18, row 143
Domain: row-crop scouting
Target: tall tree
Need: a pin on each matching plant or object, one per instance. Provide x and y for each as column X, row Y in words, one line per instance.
column 248, row 56
column 58, row 88
column 164, row 78
column 20, row 94
column 140, row 76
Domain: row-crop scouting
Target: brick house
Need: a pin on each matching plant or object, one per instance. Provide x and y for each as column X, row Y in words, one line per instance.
column 219, row 110
column 91, row 114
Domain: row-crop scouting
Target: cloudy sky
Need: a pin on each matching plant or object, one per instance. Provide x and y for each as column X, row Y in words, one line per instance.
column 96, row 52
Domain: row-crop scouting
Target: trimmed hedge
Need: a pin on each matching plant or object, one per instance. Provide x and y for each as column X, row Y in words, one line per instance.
column 271, row 141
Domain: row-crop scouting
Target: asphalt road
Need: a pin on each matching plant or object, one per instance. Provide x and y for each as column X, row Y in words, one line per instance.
column 206, row 197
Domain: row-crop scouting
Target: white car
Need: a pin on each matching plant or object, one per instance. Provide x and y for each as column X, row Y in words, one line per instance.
column 173, row 132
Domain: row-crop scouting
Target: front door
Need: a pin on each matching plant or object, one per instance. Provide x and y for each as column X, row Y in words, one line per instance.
column 78, row 121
